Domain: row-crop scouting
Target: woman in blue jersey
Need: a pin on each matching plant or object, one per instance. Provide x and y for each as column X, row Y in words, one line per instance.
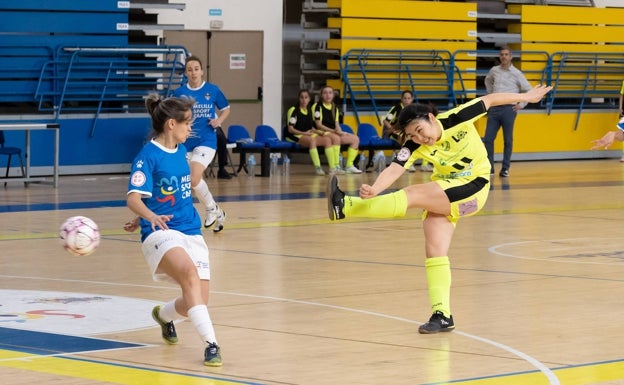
column 159, row 193
column 459, row 185
column 202, row 144
column 301, row 129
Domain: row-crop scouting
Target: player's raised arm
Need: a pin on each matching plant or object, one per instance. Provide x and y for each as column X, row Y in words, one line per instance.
column 534, row 95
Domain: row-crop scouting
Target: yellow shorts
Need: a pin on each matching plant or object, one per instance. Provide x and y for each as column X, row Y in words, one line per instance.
column 467, row 196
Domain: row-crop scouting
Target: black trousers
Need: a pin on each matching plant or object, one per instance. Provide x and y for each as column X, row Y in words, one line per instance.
column 222, row 155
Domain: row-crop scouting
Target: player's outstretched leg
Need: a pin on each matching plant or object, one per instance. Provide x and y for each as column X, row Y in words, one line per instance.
column 335, row 199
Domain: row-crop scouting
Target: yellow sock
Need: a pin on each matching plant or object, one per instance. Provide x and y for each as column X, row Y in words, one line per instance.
column 439, row 282
column 337, row 156
column 316, row 161
column 351, row 154
column 382, row 206
column 329, row 154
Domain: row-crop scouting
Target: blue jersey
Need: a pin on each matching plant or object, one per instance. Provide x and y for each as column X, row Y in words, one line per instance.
column 208, row 99
column 163, row 177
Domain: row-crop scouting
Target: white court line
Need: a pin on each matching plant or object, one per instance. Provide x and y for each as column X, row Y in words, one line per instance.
column 494, row 250
column 552, row 378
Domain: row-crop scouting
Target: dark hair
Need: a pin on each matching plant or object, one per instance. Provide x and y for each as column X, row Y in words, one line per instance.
column 304, row 91
column 162, row 110
column 411, row 112
column 407, row 92
column 193, row 58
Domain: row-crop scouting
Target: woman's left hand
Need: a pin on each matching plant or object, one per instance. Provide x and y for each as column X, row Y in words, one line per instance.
column 367, row 191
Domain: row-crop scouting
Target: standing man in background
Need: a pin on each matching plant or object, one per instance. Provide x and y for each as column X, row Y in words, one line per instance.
column 503, row 78
column 202, row 143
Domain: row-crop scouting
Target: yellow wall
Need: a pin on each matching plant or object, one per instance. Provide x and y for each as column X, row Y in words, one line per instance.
column 572, row 29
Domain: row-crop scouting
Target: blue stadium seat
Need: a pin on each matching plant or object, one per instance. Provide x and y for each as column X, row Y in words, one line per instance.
column 245, row 144
column 267, row 135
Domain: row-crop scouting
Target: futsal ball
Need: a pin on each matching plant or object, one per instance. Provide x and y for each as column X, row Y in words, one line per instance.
column 79, row 235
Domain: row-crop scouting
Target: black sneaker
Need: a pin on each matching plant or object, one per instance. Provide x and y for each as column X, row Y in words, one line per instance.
column 222, row 174
column 437, row 323
column 168, row 329
column 504, row 173
column 212, row 355
column 335, row 199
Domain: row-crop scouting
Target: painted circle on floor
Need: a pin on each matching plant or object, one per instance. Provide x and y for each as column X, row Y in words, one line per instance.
column 596, row 251
column 80, row 314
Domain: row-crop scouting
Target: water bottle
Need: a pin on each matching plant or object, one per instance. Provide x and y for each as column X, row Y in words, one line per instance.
column 251, row 165
column 379, row 161
column 363, row 162
column 286, row 165
column 273, row 168
column 341, row 161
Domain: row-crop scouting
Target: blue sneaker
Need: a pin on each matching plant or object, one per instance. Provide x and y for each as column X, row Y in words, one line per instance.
column 168, row 329
column 620, row 124
column 212, row 355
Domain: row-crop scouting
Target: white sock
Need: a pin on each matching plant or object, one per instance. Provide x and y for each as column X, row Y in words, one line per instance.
column 203, row 194
column 168, row 312
column 203, row 324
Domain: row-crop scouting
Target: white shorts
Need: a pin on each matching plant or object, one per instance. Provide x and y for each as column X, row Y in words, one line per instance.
column 201, row 154
column 159, row 242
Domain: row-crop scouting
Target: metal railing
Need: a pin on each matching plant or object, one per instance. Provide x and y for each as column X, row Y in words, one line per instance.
column 374, row 79
column 107, row 80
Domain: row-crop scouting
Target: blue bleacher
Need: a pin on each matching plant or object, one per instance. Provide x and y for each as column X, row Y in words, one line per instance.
column 31, row 34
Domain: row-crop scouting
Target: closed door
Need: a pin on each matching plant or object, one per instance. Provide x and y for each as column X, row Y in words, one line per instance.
column 233, row 61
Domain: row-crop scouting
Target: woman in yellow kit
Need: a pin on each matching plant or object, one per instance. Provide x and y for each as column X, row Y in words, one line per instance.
column 459, row 185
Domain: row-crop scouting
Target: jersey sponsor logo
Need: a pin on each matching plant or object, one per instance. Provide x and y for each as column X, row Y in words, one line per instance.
column 73, row 313
column 168, row 188
column 468, row 207
column 138, row 179
column 403, row 154
column 293, row 120
column 459, row 136
column 317, row 114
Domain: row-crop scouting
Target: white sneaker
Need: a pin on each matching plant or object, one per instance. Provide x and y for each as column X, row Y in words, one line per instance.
column 353, row 170
column 622, row 159
column 220, row 220
column 338, row 171
column 412, row 168
column 211, row 217
column 426, row 168
column 319, row 171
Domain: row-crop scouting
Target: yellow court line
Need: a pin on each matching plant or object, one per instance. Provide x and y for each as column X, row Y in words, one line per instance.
column 576, row 375
column 104, row 372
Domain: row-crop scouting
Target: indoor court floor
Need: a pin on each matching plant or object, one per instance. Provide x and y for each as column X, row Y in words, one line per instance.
column 537, row 297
